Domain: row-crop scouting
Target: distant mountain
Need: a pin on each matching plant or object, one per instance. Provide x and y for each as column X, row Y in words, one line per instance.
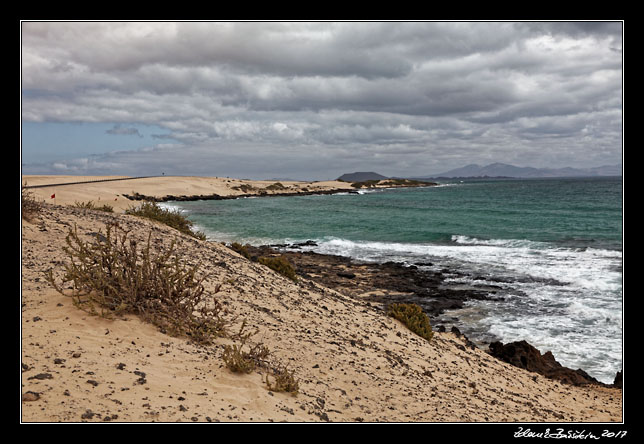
column 361, row 177
column 505, row 170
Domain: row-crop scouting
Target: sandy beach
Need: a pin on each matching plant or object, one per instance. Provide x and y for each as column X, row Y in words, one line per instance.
column 112, row 190
column 352, row 361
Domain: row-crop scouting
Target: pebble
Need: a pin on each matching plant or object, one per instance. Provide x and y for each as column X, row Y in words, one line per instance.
column 30, row 396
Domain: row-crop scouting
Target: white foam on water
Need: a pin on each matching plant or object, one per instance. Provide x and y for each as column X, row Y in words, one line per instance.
column 564, row 300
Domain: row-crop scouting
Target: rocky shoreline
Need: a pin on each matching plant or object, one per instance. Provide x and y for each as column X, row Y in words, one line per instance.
column 382, row 284
column 273, row 192
column 353, row 363
column 214, row 196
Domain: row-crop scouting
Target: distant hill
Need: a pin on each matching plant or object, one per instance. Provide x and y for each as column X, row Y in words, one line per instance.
column 505, row 170
column 361, row 177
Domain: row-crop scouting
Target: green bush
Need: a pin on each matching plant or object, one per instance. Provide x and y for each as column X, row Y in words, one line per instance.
column 172, row 218
column 241, row 249
column 111, row 277
column 413, row 317
column 281, row 265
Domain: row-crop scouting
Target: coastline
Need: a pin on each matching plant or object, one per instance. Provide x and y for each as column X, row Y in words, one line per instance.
column 387, row 283
column 122, row 192
column 353, row 361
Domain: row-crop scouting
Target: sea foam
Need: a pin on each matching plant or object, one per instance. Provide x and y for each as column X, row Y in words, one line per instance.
column 558, row 298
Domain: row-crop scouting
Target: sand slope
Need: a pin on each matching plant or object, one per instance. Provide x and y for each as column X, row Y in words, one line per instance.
column 353, row 362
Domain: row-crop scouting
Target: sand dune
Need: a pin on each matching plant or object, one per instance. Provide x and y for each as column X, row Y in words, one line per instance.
column 353, row 362
column 112, row 192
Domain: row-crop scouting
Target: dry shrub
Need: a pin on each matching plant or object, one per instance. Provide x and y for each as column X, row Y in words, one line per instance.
column 171, row 218
column 244, row 188
column 239, row 361
column 257, row 356
column 92, row 206
column 30, row 207
column 111, row 276
column 284, row 380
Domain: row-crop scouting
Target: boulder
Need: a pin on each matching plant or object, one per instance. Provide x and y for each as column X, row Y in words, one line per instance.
column 523, row 355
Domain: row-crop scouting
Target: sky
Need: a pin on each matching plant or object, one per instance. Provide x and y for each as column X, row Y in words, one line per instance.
column 314, row 100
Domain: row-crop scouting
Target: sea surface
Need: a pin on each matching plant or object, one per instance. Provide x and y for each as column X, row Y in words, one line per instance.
column 552, row 248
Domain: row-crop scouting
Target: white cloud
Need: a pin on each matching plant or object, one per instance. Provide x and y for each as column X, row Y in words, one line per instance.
column 452, row 91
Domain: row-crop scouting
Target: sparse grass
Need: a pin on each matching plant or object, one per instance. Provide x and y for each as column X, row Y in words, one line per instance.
column 30, row 208
column 281, row 265
column 92, row 206
column 413, row 317
column 174, row 219
column 111, row 277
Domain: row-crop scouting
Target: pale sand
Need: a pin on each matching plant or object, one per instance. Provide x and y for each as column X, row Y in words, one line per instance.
column 111, row 193
column 353, row 362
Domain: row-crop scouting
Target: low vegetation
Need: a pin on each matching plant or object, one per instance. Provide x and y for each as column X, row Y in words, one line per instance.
column 92, row 206
column 275, row 187
column 277, row 263
column 284, row 380
column 366, row 184
column 172, row 218
column 413, row 317
column 256, row 357
column 110, row 276
column 241, row 249
column 239, row 361
column 281, row 265
column 245, row 188
column 30, row 208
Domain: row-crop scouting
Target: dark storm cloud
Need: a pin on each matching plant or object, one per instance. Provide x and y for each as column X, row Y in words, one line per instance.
column 445, row 93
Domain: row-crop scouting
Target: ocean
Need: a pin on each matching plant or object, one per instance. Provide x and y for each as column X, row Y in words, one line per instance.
column 552, row 248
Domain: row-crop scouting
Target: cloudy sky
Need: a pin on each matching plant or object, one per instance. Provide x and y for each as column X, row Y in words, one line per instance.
column 316, row 100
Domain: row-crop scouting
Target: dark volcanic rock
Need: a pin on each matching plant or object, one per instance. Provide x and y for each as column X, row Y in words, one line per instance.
column 392, row 282
column 346, row 275
column 214, row 196
column 523, row 355
column 401, row 283
column 41, row 376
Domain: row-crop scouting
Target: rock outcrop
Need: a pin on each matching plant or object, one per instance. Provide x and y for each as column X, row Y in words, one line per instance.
column 523, row 355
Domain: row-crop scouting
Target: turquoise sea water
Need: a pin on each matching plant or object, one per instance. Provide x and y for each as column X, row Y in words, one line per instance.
column 553, row 246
